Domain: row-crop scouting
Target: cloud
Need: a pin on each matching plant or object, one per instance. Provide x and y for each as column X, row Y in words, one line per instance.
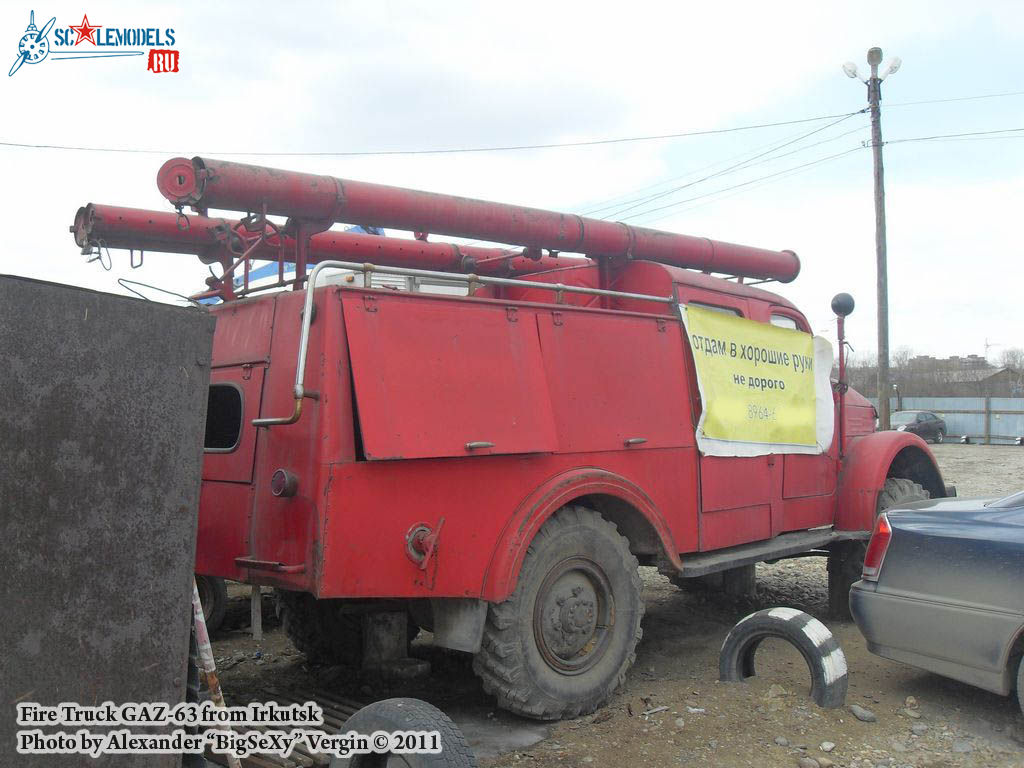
column 363, row 76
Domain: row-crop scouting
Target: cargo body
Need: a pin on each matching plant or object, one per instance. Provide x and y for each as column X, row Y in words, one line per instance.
column 406, row 381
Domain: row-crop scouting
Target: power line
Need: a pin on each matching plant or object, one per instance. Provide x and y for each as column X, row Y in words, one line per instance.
column 984, row 136
column 730, row 169
column 955, row 98
column 509, row 148
column 955, row 135
column 623, row 198
column 745, row 183
column 764, row 182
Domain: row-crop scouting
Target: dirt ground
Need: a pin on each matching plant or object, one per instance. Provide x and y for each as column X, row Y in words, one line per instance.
column 923, row 720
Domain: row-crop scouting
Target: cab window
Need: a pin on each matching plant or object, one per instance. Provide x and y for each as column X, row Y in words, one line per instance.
column 716, row 308
column 784, row 321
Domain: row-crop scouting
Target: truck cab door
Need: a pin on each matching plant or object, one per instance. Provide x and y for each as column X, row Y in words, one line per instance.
column 736, row 493
column 809, row 481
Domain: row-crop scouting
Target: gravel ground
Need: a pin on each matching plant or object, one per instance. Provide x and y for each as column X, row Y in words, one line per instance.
column 922, row 720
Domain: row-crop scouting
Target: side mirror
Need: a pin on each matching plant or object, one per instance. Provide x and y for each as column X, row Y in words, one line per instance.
column 842, row 304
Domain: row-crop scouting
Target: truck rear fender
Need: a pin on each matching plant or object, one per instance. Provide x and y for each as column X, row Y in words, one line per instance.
column 869, row 461
column 614, row 497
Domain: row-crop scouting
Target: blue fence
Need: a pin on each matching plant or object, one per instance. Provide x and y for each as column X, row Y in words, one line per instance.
column 985, row 419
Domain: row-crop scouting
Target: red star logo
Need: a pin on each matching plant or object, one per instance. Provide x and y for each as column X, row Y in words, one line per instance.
column 85, row 31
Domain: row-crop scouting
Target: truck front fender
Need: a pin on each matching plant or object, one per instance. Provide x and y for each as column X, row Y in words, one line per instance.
column 869, row 461
column 635, row 514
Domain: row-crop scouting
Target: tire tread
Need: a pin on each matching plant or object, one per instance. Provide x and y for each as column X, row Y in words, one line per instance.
column 499, row 665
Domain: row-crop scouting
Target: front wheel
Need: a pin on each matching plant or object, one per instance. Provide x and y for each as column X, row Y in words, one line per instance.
column 563, row 641
column 846, row 560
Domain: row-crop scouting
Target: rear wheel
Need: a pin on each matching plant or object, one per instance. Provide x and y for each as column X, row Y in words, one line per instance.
column 323, row 630
column 563, row 641
column 320, row 629
column 846, row 560
column 213, row 595
column 940, row 436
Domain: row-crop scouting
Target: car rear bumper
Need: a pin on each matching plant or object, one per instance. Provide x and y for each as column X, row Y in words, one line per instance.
column 928, row 635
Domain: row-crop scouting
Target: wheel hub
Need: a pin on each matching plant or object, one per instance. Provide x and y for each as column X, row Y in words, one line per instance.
column 572, row 615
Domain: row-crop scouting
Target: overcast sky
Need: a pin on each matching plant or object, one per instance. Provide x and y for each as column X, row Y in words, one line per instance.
column 294, row 77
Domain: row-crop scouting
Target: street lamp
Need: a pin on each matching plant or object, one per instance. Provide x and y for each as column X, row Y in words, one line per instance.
column 874, row 84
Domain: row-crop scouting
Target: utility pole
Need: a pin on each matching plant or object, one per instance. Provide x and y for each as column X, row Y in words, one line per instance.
column 874, row 84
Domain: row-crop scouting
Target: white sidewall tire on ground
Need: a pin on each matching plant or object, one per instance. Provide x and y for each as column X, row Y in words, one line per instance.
column 408, row 715
column 825, row 659
column 520, row 662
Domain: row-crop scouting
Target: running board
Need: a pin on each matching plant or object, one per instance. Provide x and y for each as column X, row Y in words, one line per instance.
column 783, row 545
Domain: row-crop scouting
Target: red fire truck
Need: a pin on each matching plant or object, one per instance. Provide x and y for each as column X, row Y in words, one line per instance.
column 493, row 466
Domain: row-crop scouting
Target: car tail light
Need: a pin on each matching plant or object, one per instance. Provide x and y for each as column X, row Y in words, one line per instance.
column 877, row 547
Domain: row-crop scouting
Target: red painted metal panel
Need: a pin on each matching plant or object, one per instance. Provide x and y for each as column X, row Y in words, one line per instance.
column 728, row 482
column 237, row 466
column 373, row 504
column 808, row 512
column 597, row 363
column 432, row 376
column 807, row 475
column 223, row 528
column 244, row 331
column 729, row 527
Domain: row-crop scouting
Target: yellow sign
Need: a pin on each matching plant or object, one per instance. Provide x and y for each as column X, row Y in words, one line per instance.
column 756, row 380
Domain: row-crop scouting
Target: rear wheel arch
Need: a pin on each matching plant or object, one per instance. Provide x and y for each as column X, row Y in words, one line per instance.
column 615, row 498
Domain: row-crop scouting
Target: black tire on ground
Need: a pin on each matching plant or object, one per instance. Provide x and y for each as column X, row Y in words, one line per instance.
column 1020, row 685
column 846, row 560
column 213, row 594
column 940, row 436
column 408, row 715
column 821, row 651
column 319, row 628
column 563, row 641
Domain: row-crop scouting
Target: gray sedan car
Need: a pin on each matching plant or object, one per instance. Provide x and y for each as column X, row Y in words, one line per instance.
column 943, row 590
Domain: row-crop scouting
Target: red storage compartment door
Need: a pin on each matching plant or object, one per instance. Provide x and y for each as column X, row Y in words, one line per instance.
column 616, row 378
column 433, row 375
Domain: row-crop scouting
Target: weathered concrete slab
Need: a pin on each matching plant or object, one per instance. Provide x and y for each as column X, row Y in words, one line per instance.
column 102, row 414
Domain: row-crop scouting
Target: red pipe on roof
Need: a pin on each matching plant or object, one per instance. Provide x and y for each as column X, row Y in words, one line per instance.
column 208, row 183
column 207, row 237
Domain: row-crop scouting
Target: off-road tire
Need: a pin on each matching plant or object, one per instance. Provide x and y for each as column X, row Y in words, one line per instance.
column 408, row 715
column 319, row 629
column 846, row 560
column 213, row 595
column 825, row 659
column 580, row 545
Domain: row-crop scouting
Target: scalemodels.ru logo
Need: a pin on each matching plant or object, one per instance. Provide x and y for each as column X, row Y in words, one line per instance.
column 61, row 43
